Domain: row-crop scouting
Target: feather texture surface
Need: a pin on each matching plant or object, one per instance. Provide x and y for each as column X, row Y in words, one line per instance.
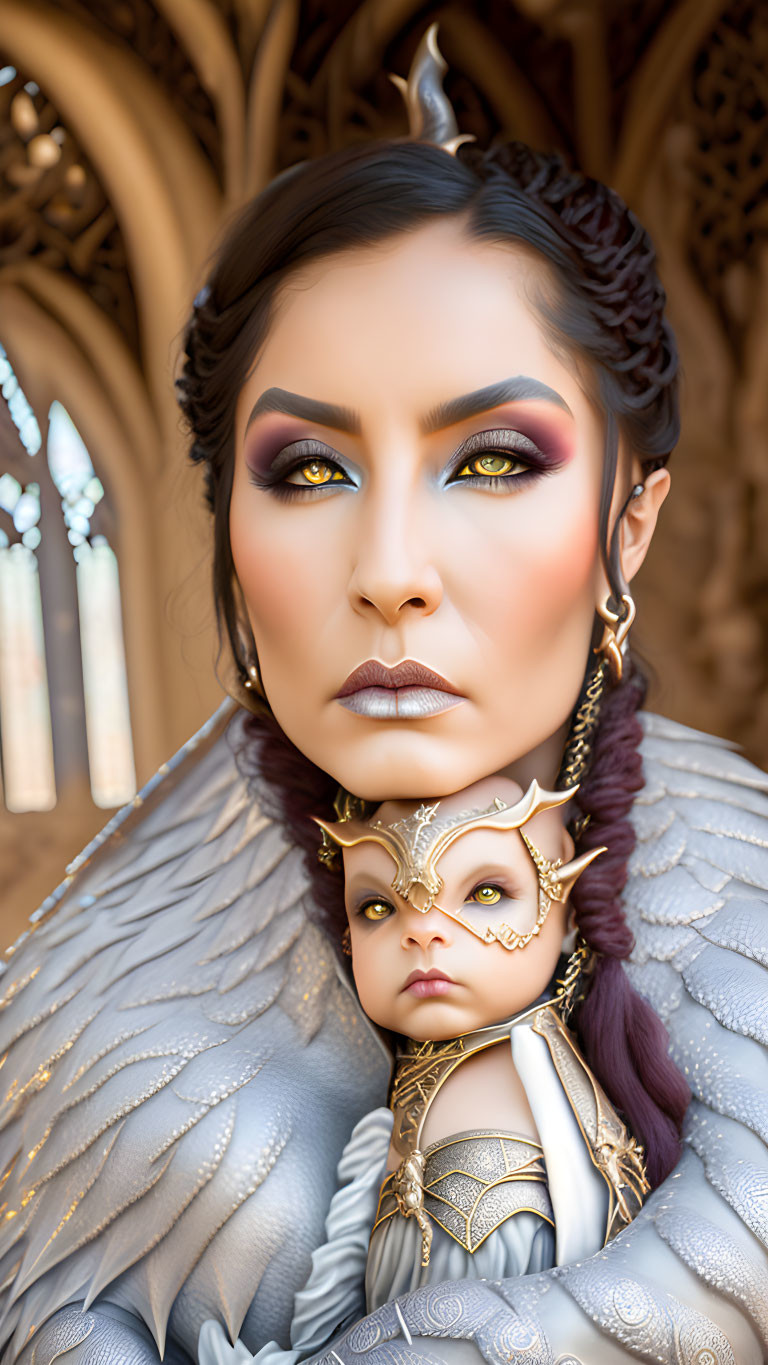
column 172, row 1104
column 686, row 1282
column 182, row 1062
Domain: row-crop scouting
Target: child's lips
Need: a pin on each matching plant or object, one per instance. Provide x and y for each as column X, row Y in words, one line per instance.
column 425, row 984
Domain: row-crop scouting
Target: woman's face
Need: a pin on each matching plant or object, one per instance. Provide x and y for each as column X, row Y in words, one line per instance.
column 414, row 517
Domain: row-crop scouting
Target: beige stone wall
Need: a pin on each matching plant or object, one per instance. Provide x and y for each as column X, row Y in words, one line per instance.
column 174, row 111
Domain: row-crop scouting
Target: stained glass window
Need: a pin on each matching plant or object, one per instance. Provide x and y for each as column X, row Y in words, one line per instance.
column 25, row 718
column 110, row 752
column 27, row 739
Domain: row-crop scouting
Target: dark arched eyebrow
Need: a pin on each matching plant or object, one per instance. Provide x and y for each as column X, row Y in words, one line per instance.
column 517, row 389
column 309, row 409
column 513, row 390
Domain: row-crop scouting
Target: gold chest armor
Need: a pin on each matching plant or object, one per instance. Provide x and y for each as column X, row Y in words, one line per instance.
column 470, row 1183
column 474, row 1182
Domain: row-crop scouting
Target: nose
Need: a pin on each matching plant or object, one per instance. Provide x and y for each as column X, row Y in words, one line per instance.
column 394, row 572
column 425, row 931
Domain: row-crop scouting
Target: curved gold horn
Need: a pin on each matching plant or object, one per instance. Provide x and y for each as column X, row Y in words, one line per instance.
column 430, row 115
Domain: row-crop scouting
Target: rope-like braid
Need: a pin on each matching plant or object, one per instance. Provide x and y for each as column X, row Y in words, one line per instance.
column 617, row 258
column 293, row 789
column 623, row 1040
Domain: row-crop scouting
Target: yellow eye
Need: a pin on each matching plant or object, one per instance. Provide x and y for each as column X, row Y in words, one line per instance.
column 493, row 466
column 486, row 895
column 376, row 909
column 315, row 472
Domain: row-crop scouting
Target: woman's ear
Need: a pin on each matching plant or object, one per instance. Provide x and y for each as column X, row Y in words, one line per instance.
column 639, row 522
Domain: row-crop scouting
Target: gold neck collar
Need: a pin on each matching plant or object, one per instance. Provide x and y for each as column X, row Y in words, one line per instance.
column 421, row 1069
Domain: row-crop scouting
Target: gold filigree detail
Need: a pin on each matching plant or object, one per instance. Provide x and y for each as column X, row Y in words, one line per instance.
column 418, row 841
column 578, row 749
column 456, row 1174
column 346, row 807
column 616, row 1154
column 572, row 985
column 408, row 1190
column 417, row 1078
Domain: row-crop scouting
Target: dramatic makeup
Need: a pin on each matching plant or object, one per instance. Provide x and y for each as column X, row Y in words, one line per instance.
column 417, row 502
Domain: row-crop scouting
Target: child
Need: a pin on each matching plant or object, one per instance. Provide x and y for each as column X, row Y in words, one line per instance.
column 505, row 1156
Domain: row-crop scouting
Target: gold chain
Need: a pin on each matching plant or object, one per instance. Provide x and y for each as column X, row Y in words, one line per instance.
column 578, row 750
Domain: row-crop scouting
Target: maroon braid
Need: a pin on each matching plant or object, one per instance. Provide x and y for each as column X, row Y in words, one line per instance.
column 617, row 264
column 623, row 1040
column 291, row 790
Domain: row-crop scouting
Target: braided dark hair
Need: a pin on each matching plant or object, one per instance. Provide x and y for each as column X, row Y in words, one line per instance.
column 609, row 304
column 601, row 303
column 622, row 1038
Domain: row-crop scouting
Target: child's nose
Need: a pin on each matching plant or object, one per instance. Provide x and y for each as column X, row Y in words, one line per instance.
column 425, row 931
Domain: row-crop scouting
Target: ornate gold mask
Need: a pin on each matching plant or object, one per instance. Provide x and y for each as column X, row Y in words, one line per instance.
column 418, row 841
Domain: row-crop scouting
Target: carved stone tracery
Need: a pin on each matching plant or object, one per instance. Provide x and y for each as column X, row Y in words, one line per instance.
column 711, row 223
column 53, row 208
column 142, row 27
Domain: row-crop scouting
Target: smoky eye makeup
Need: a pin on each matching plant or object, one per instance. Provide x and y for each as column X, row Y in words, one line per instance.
column 497, row 439
column 502, row 458
column 305, row 465
column 272, row 460
column 537, row 427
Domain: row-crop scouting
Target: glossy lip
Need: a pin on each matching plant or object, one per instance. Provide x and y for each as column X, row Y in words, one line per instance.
column 409, row 673
column 425, row 984
column 405, row 691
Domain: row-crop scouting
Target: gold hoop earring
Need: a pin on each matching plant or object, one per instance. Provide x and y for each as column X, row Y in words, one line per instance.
column 249, row 692
column 252, row 681
column 617, row 627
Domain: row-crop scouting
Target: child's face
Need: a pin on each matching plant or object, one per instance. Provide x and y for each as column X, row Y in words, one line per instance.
column 489, row 878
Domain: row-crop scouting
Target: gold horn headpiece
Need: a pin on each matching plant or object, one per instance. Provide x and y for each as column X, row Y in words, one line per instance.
column 430, row 115
column 418, row 841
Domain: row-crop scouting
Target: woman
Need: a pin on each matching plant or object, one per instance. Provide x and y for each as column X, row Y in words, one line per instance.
column 434, row 395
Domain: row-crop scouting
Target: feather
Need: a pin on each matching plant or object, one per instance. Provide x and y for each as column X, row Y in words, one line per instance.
column 184, row 1061
column 152, row 1028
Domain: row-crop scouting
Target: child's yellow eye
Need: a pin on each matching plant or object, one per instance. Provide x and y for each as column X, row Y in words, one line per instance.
column 486, row 895
column 376, row 909
column 315, row 472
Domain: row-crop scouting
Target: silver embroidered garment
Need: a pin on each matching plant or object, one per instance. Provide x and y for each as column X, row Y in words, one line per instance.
column 181, row 1066
column 474, row 1182
column 487, row 1199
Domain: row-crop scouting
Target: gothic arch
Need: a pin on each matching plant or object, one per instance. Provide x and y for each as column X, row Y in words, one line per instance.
column 51, row 365
column 145, row 158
